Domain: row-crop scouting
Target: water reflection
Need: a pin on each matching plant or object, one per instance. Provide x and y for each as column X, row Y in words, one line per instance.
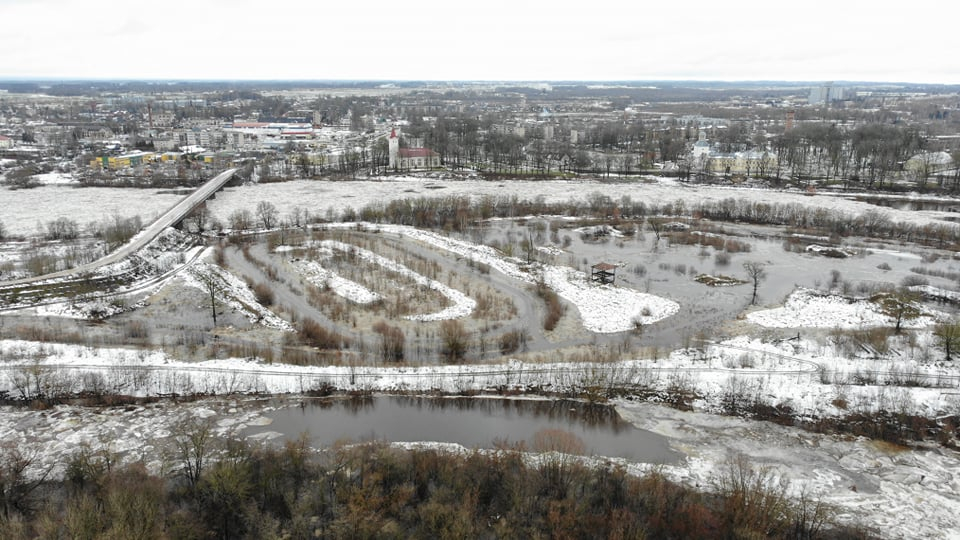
column 471, row 422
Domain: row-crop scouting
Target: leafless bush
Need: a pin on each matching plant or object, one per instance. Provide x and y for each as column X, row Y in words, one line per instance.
column 391, row 341
column 512, row 341
column 876, row 339
column 753, row 500
column 136, row 330
column 913, row 281
column 554, row 307
column 721, row 258
column 62, row 229
column 263, row 292
column 314, row 334
column 952, row 276
column 453, row 338
column 731, row 245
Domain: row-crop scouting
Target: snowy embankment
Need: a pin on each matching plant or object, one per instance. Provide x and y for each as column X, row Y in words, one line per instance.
column 352, row 291
column 602, row 308
column 231, row 290
column 462, row 306
column 893, row 492
column 814, row 381
column 806, row 308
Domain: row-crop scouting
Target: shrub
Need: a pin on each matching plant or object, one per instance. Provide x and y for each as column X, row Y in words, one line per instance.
column 263, row 292
column 722, row 258
column 554, row 307
column 391, row 341
column 453, row 337
column 314, row 334
column 736, row 246
column 62, row 229
column 512, row 341
column 136, row 330
column 913, row 281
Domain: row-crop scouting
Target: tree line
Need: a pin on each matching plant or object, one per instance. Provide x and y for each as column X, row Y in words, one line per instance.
column 228, row 489
column 461, row 213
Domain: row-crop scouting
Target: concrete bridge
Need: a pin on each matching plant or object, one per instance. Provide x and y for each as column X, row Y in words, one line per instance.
column 172, row 217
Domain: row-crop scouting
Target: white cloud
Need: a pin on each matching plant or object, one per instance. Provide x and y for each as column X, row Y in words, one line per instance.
column 430, row 39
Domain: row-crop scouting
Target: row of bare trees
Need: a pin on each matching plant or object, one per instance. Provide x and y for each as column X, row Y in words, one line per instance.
column 224, row 488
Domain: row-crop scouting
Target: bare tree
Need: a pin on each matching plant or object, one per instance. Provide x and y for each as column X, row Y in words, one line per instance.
column 756, row 271
column 212, row 285
column 948, row 333
column 900, row 305
column 240, row 220
column 656, row 227
column 20, row 475
column 298, row 217
column 198, row 217
column 193, row 441
column 268, row 214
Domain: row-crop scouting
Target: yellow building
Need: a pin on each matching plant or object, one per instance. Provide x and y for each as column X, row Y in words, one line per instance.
column 132, row 159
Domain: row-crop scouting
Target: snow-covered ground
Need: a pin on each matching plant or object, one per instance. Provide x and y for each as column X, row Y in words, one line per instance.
column 322, row 277
column 811, row 309
column 907, row 494
column 862, row 480
column 894, row 492
column 233, row 291
column 55, row 178
column 461, row 305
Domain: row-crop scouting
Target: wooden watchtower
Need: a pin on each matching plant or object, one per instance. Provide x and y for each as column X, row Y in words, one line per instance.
column 603, row 273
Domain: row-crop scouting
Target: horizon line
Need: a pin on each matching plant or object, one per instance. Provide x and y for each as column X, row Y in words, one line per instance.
column 821, row 82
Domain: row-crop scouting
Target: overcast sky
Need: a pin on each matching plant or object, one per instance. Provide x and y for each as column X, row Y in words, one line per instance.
column 812, row 40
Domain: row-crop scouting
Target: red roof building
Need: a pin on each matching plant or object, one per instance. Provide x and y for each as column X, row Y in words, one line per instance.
column 410, row 158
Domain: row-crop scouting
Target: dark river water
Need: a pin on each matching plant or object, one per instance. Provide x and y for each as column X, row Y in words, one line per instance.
column 471, row 422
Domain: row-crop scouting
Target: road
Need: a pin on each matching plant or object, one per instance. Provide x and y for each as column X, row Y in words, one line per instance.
column 172, row 216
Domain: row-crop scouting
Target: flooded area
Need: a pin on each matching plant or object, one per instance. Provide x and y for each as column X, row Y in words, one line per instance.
column 470, row 422
column 911, row 204
column 667, row 269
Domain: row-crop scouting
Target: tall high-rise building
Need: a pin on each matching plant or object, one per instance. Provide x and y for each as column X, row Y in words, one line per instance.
column 824, row 94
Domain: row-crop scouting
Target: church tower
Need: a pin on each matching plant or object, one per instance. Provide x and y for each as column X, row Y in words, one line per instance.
column 394, row 148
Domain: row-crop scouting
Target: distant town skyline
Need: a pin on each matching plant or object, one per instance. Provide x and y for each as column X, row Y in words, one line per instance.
column 739, row 40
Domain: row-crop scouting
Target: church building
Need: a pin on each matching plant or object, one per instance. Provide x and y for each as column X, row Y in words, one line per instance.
column 410, row 158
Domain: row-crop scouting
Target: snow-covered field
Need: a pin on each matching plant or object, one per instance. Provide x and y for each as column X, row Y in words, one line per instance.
column 810, row 309
column 894, row 492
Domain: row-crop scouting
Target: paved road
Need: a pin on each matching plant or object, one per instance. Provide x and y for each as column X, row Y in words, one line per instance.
column 144, row 237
